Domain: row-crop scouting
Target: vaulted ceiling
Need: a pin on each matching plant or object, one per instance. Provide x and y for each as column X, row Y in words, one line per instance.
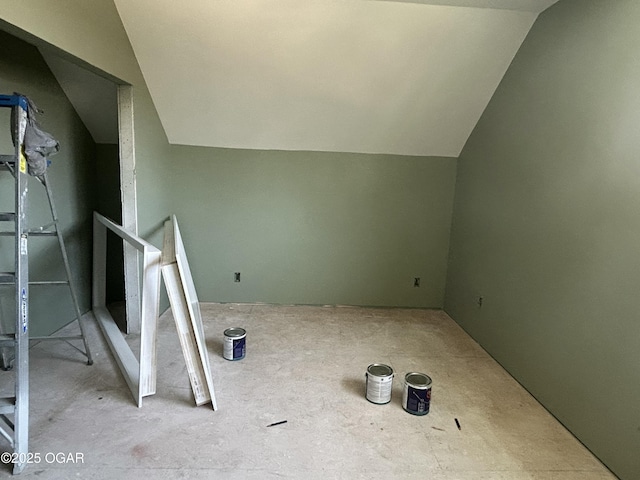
column 371, row 76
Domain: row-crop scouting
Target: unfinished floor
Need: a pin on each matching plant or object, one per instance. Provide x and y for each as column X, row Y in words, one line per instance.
column 305, row 365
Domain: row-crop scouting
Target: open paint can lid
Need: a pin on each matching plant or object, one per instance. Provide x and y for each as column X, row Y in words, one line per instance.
column 235, row 332
column 417, row 380
column 379, row 370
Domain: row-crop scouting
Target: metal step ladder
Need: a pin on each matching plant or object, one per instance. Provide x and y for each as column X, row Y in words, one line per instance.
column 16, row 429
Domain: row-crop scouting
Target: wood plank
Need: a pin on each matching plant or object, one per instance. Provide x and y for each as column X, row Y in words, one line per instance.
column 149, row 313
column 186, row 314
column 140, row 375
column 131, row 238
column 127, row 154
column 126, row 360
column 194, row 308
column 185, row 333
column 98, row 284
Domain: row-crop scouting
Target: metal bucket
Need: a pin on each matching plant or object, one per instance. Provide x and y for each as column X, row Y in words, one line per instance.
column 379, row 382
column 235, row 343
column 416, row 396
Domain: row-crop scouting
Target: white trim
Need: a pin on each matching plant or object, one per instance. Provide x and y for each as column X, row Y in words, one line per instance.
column 186, row 314
column 139, row 375
column 129, row 204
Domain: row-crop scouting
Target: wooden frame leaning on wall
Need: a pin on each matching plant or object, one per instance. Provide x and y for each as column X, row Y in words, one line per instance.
column 185, row 308
column 139, row 375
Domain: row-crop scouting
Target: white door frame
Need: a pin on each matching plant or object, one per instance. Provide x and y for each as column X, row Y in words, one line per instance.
column 126, row 142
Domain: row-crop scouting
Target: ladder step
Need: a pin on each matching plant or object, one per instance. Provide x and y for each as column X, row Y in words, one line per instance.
column 7, row 159
column 7, row 278
column 69, row 337
column 7, row 405
column 7, row 340
column 42, row 231
column 35, row 233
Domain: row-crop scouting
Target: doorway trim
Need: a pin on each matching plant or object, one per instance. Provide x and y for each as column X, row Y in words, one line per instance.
column 126, row 142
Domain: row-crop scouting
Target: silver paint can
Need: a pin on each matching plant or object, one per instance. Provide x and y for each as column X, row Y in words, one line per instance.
column 379, row 382
column 235, row 343
column 416, row 395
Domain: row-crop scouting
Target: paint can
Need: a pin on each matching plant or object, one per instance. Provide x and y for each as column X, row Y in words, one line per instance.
column 235, row 343
column 379, row 382
column 416, row 396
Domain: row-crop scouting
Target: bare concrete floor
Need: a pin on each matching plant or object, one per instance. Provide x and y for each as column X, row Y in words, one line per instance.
column 305, row 365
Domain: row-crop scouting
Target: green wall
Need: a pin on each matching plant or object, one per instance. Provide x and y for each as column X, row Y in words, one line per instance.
column 71, row 176
column 301, row 227
column 91, row 35
column 546, row 226
column 314, row 228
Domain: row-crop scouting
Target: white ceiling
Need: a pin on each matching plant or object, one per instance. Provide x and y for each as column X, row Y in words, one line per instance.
column 371, row 76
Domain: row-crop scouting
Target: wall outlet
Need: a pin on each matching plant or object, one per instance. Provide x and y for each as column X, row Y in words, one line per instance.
column 236, row 277
column 416, row 282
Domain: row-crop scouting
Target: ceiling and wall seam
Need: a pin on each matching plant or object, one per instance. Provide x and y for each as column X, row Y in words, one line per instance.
column 418, row 91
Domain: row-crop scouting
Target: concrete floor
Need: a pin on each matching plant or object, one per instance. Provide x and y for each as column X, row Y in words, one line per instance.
column 305, row 365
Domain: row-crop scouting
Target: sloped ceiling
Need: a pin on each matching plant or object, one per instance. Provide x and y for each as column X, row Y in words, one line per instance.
column 94, row 98
column 400, row 77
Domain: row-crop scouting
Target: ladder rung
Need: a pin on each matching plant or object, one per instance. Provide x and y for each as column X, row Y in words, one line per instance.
column 71, row 337
column 7, row 216
column 7, row 405
column 9, row 340
column 7, row 159
column 11, row 281
column 34, row 233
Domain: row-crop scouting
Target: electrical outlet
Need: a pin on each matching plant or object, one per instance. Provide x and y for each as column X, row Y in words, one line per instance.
column 416, row 282
column 236, row 276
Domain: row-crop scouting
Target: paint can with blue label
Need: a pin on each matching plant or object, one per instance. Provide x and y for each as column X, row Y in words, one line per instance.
column 379, row 382
column 235, row 343
column 416, row 396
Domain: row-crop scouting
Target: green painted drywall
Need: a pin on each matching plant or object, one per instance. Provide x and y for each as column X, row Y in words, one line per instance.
column 546, row 226
column 314, row 228
column 71, row 176
column 91, row 34
column 301, row 227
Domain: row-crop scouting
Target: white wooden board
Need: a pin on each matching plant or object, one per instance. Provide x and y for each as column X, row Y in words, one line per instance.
column 186, row 313
column 139, row 375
